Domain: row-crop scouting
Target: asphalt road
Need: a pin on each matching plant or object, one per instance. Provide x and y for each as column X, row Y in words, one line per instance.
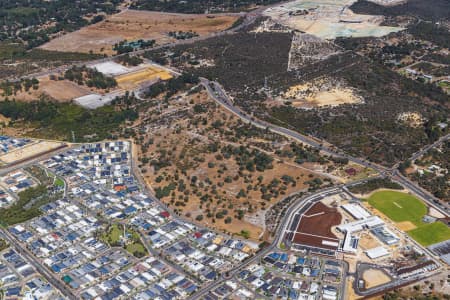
column 217, row 93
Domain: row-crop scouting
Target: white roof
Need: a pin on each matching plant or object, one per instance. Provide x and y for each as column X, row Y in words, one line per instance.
column 361, row 224
column 377, row 252
column 356, row 211
column 111, row 68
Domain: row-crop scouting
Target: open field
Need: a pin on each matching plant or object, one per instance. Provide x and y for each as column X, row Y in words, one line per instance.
column 133, row 25
column 429, row 234
column 407, row 211
column 134, row 79
column 398, row 206
column 374, row 277
column 61, row 90
column 28, row 151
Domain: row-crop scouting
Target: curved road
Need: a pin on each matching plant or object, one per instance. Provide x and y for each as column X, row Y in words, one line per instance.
column 217, row 93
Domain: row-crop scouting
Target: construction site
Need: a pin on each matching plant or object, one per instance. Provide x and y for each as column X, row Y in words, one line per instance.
column 380, row 255
column 328, row 19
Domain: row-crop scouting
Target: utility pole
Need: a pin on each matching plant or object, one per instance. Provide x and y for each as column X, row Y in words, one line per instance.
column 73, row 136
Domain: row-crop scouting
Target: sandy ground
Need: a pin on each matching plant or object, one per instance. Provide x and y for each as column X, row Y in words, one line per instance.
column 4, row 119
column 405, row 226
column 62, row 90
column 319, row 94
column 435, row 213
column 28, row 151
column 133, row 25
column 412, row 119
column 132, row 80
column 368, row 241
column 350, row 295
column 374, row 278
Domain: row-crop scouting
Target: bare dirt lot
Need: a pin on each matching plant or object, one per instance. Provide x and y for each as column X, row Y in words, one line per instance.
column 321, row 93
column 374, row 278
column 368, row 241
column 406, row 226
column 316, row 224
column 28, row 151
column 133, row 25
column 62, row 90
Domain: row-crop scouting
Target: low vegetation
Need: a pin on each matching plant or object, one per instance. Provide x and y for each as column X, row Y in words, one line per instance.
column 3, row 245
column 375, row 184
column 369, row 129
column 35, row 22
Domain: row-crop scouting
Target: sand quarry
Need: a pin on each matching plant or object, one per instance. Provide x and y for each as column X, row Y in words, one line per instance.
column 328, row 19
column 133, row 25
column 321, row 93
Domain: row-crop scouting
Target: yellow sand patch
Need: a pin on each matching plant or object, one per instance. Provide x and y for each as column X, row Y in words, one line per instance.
column 412, row 119
column 374, row 278
column 132, row 80
column 218, row 240
column 321, row 93
column 4, row 119
column 405, row 225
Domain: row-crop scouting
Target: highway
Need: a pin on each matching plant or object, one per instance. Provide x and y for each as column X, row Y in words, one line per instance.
column 217, row 93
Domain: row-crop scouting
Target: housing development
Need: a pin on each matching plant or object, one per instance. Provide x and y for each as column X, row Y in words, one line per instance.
column 224, row 149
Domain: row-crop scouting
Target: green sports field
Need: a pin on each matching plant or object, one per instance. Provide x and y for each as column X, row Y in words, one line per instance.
column 401, row 207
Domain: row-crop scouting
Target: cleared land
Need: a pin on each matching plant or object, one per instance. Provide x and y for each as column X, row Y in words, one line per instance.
column 374, row 278
column 399, row 207
column 133, row 25
column 28, row 151
column 328, row 19
column 314, row 228
column 134, row 79
column 320, row 94
column 408, row 211
column 62, row 90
